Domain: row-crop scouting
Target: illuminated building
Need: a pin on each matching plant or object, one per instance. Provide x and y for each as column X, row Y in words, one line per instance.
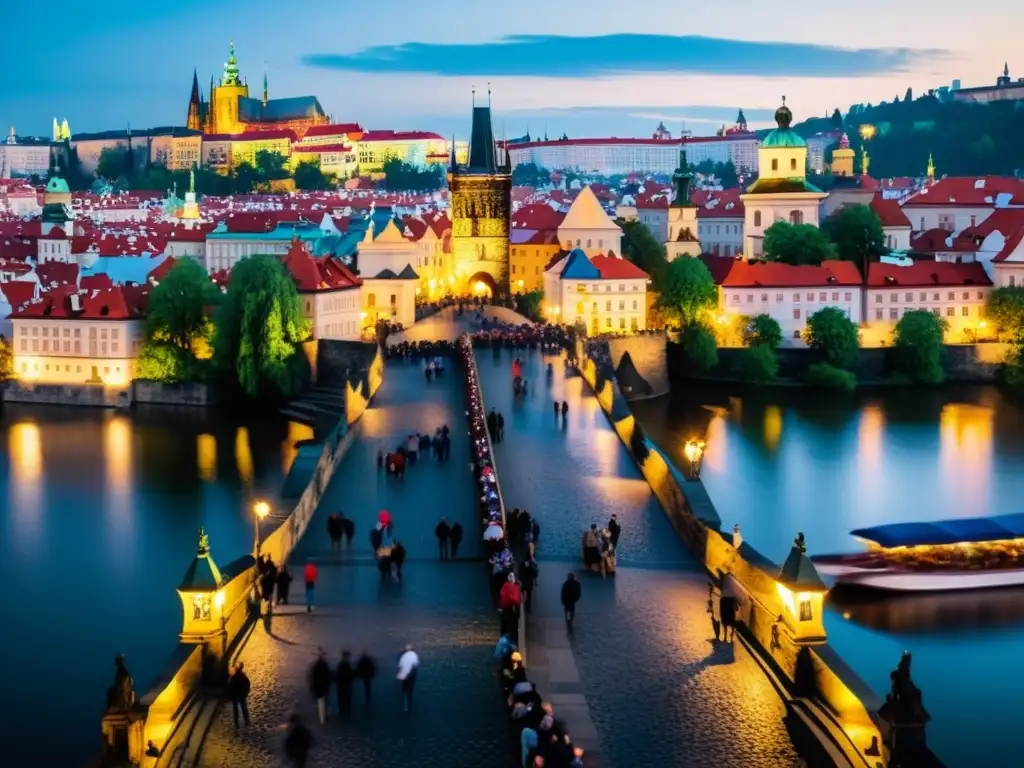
column 390, row 283
column 1005, row 89
column 23, row 159
column 179, row 149
column 602, row 156
column 66, row 337
column 419, row 148
column 328, row 291
column 229, row 110
column 682, row 215
column 61, row 131
column 782, row 192
column 248, row 234
column 481, row 210
column 842, row 158
column 534, row 245
column 588, row 226
column 605, row 294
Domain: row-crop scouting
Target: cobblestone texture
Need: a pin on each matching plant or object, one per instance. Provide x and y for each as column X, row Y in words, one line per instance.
column 659, row 692
column 443, row 609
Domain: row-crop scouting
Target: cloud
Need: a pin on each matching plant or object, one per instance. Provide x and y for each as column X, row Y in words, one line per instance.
column 623, row 54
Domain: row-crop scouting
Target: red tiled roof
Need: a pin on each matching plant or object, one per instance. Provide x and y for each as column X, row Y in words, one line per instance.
column 537, row 216
column 718, row 266
column 889, row 212
column 57, row 233
column 98, row 282
column 116, row 303
column 927, row 273
column 18, row 292
column 57, row 273
column 978, row 192
column 943, row 241
column 653, row 200
column 749, row 274
column 337, row 129
column 250, row 223
column 311, row 275
column 400, row 136
column 160, row 270
column 542, row 237
column 316, row 149
column 719, row 205
column 614, row 268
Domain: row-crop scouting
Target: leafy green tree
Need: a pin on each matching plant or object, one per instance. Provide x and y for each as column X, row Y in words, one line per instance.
column 640, row 247
column 112, row 164
column 400, row 176
column 760, row 365
column 530, row 175
column 917, row 345
column 699, row 347
column 164, row 362
column 1004, row 308
column 909, row 96
column 830, row 332
column 528, row 304
column 856, row 232
column 837, row 119
column 762, row 331
column 259, row 329
column 270, row 166
column 246, row 177
column 309, row 176
column 797, row 244
column 180, row 307
column 688, row 292
column 830, row 377
column 6, row 359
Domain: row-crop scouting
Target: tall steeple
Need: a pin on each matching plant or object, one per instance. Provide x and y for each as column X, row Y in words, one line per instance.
column 931, row 169
column 211, row 109
column 266, row 87
column 483, row 155
column 231, row 68
column 193, row 122
column 682, row 179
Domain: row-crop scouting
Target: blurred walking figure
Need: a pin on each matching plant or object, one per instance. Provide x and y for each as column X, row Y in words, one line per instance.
column 310, row 574
column 298, row 743
column 366, row 670
column 443, row 533
column 571, row 593
column 320, row 684
column 345, row 679
column 408, row 665
column 238, row 689
column 284, row 585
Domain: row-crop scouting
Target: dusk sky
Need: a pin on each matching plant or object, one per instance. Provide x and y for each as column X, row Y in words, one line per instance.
column 595, row 68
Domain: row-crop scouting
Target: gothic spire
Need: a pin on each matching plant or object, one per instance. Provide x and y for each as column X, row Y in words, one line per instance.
column 266, row 88
column 453, row 165
column 194, row 101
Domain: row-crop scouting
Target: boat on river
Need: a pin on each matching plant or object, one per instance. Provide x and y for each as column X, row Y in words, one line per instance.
column 968, row 553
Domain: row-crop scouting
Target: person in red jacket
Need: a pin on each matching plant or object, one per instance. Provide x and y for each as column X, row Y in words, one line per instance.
column 510, row 598
column 310, row 574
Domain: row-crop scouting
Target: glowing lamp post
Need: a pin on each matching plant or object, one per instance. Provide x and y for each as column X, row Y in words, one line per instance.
column 802, row 593
column 202, row 597
column 694, row 452
column 260, row 510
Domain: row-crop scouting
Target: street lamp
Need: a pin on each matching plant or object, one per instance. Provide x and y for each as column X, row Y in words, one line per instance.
column 260, row 510
column 694, row 452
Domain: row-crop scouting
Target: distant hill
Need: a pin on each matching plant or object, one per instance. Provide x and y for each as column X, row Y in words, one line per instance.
column 965, row 139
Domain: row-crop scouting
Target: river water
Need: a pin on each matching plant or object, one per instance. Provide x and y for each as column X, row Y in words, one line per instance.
column 99, row 523
column 780, row 461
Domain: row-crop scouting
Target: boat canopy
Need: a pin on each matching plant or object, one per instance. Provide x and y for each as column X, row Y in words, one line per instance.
column 964, row 530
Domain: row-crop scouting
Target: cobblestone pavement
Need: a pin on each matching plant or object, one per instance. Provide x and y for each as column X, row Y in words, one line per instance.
column 430, row 489
column 458, row 717
column 443, row 609
column 659, row 691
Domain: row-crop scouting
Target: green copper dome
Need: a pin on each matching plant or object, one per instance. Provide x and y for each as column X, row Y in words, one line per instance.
column 783, row 136
column 57, row 186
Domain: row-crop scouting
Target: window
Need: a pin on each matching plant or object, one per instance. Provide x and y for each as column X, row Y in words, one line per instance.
column 67, row 346
column 775, row 164
column 935, row 297
column 622, row 323
column 823, row 296
column 878, row 314
column 46, row 332
column 607, row 322
column 750, row 298
column 394, row 299
column 981, row 295
column 894, row 297
column 35, row 331
column 92, row 333
column 103, row 333
column 951, row 296
column 923, row 296
column 967, row 295
column 371, row 300
column 78, row 347
column 849, row 296
column 589, row 243
column 24, row 331
column 35, row 345
column 113, row 347
column 735, row 298
column 796, row 297
column 594, row 307
column 796, row 217
column 757, row 218
column 965, row 311
column 622, row 306
column 633, row 323
column 778, row 298
column 835, row 296
column 634, row 305
column 935, row 311
column 910, row 298
column 622, row 288
column 607, row 306
column 764, row 297
column 24, row 344
column 878, row 298
column 974, row 220
column 103, row 348
column 810, row 297
column 46, row 344
column 792, row 164
column 796, row 313
column 950, row 311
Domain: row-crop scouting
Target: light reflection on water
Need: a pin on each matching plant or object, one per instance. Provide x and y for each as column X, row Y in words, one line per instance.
column 782, row 461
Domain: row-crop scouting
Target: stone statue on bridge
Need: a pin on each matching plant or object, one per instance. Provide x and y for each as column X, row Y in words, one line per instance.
column 121, row 695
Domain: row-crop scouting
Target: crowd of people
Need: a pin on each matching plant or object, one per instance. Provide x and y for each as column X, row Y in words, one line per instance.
column 499, row 335
column 418, row 350
column 544, row 738
column 599, row 547
column 417, row 446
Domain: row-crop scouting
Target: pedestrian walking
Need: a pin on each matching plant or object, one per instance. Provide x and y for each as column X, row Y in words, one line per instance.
column 267, row 609
column 528, row 572
column 408, row 666
column 238, row 691
column 565, row 409
column 268, row 581
column 727, row 612
column 614, row 531
column 571, row 593
column 366, row 670
column 310, row 574
column 443, row 532
column 298, row 743
column 345, row 679
column 320, row 684
column 284, row 584
column 455, row 537
column 398, row 557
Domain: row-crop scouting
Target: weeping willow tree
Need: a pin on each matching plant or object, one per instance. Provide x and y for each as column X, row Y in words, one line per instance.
column 259, row 330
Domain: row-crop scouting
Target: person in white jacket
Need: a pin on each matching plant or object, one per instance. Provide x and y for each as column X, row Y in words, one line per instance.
column 408, row 665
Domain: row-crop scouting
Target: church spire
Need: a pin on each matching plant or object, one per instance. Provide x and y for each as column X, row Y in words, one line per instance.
column 266, row 88
column 193, row 122
column 231, row 68
column 931, row 169
column 682, row 179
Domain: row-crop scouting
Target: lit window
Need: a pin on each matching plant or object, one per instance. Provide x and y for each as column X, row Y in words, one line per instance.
column 796, row 313
column 950, row 311
column 965, row 311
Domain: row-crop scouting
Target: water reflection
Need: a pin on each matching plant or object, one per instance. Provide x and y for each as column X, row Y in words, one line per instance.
column 25, row 452
column 206, row 457
column 243, row 455
column 297, row 432
column 772, row 427
column 870, row 435
column 965, row 454
column 117, row 456
column 954, row 612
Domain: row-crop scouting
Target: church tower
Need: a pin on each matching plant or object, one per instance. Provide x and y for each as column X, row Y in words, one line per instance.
column 931, row 169
column 193, row 123
column 481, row 211
column 682, row 214
column 842, row 158
column 224, row 99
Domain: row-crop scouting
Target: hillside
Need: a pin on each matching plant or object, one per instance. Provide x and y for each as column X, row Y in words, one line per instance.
column 965, row 139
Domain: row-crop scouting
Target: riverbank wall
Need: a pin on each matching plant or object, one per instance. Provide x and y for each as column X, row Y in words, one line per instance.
column 963, row 363
column 219, row 616
column 829, row 704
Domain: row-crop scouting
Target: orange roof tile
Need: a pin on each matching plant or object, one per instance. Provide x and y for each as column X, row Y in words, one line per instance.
column 750, row 274
column 927, row 273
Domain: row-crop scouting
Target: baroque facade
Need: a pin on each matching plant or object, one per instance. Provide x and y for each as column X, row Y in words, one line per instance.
column 481, row 212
